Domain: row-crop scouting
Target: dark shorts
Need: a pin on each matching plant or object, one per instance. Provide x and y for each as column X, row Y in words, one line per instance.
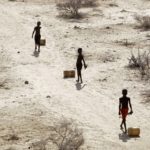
column 124, row 112
column 37, row 39
column 79, row 67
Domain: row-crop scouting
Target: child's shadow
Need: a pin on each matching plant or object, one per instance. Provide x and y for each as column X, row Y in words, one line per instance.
column 36, row 53
column 79, row 86
column 124, row 137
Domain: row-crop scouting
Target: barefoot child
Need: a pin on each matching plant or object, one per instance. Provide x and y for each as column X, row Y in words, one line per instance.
column 37, row 36
column 123, row 108
column 79, row 64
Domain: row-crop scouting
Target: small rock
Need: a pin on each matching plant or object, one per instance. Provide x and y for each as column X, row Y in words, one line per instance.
column 48, row 96
column 123, row 10
column 37, row 16
column 76, row 27
column 18, row 52
column 107, row 27
column 104, row 79
column 26, row 82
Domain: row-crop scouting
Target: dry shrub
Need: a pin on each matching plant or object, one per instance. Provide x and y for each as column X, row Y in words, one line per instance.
column 66, row 136
column 69, row 7
column 143, row 21
column 142, row 62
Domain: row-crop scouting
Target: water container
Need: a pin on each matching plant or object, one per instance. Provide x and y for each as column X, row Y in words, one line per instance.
column 69, row 74
column 42, row 42
column 134, row 132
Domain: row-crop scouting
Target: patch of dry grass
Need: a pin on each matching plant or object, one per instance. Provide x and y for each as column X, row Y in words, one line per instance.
column 141, row 62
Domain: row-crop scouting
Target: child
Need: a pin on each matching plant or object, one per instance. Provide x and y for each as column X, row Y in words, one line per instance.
column 79, row 64
column 37, row 36
column 123, row 108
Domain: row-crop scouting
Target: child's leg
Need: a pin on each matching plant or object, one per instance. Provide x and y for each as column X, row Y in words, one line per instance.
column 121, row 124
column 39, row 48
column 78, row 75
column 125, row 126
column 35, row 47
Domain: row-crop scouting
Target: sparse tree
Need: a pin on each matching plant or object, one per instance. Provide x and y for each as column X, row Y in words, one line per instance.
column 69, row 7
column 142, row 62
column 66, row 136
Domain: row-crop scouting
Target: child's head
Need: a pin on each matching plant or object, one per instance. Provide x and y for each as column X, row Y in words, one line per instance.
column 124, row 92
column 38, row 23
column 79, row 50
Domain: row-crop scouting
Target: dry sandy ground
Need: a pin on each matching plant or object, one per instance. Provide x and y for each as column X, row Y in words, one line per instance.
column 27, row 112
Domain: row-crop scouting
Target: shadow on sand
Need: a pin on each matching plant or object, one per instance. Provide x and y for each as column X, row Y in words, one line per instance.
column 79, row 86
column 124, row 137
column 36, row 53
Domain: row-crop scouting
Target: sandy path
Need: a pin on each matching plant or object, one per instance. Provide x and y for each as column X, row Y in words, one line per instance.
column 95, row 106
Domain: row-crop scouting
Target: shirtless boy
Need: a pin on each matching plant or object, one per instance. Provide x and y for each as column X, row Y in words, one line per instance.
column 124, row 103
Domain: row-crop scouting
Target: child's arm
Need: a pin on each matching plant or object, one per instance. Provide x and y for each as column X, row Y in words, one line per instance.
column 130, row 106
column 85, row 66
column 33, row 32
column 119, row 107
